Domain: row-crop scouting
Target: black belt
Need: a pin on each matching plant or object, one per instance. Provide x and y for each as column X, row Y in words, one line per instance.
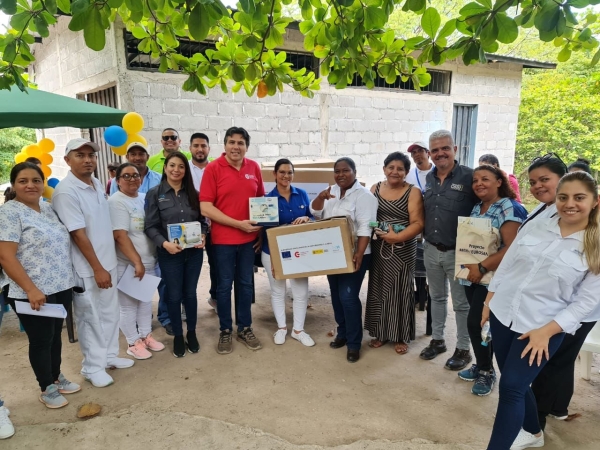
column 442, row 247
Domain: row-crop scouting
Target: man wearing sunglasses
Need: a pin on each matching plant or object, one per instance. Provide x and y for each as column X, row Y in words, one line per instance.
column 170, row 142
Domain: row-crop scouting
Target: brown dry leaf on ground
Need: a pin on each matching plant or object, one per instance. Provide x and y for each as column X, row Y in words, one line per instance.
column 89, row 410
column 331, row 333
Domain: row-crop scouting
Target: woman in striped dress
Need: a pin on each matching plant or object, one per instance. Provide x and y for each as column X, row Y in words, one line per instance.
column 390, row 314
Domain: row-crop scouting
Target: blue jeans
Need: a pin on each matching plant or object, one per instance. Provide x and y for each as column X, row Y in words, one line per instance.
column 516, row 404
column 347, row 307
column 180, row 273
column 234, row 262
column 162, row 313
column 440, row 272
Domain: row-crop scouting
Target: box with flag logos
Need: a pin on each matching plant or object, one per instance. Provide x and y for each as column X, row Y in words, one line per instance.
column 324, row 247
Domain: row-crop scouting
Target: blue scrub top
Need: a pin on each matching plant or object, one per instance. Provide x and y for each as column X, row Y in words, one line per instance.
column 298, row 206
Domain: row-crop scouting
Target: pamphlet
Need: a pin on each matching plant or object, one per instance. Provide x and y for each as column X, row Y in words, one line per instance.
column 478, row 222
column 54, row 310
column 185, row 234
column 265, row 211
column 142, row 290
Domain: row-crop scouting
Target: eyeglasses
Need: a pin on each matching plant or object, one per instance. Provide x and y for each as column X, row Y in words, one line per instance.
column 173, row 138
column 130, row 176
column 547, row 157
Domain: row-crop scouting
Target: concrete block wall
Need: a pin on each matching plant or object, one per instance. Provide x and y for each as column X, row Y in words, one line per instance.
column 364, row 124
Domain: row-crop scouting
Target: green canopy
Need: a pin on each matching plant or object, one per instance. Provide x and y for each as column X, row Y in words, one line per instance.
column 40, row 109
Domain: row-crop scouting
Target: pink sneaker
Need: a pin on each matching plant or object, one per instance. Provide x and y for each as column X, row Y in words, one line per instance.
column 139, row 350
column 153, row 344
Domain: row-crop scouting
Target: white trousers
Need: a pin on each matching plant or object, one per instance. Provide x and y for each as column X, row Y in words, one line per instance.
column 96, row 313
column 299, row 293
column 133, row 311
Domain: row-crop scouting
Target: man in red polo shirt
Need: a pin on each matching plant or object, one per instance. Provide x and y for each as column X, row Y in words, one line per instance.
column 227, row 184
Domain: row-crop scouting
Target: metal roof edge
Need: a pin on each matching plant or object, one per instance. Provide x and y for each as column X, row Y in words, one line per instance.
column 527, row 63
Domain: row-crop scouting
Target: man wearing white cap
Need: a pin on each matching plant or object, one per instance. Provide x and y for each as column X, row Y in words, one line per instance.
column 80, row 202
column 419, row 153
column 137, row 154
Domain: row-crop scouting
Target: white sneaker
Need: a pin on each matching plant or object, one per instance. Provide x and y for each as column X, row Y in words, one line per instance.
column 6, row 426
column 303, row 337
column 119, row 363
column 99, row 379
column 527, row 440
column 279, row 336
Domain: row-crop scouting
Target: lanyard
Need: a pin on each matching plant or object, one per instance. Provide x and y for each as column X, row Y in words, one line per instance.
column 417, row 177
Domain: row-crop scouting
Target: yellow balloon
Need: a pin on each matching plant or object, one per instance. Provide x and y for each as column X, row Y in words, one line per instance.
column 47, row 171
column 46, row 145
column 48, row 192
column 121, row 151
column 136, row 138
column 46, row 159
column 133, row 123
column 33, row 150
column 20, row 157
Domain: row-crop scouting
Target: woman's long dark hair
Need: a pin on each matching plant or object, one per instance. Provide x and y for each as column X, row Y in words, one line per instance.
column 505, row 190
column 187, row 183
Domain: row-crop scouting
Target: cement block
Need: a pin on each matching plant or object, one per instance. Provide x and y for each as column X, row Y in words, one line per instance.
column 265, row 124
column 278, row 138
column 181, row 107
column 268, row 150
column 205, row 108
column 309, row 125
column 219, row 123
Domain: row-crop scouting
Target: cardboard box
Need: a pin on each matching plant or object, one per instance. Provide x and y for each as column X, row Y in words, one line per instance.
column 313, row 181
column 324, row 247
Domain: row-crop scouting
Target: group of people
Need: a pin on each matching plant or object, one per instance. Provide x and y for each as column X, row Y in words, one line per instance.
column 538, row 320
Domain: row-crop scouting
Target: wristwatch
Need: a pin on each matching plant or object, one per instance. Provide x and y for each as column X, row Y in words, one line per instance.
column 482, row 269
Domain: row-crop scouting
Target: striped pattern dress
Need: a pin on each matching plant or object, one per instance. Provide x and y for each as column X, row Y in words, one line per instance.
column 390, row 313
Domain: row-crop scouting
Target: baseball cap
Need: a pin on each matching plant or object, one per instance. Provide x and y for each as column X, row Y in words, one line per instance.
column 76, row 144
column 137, row 144
column 416, row 145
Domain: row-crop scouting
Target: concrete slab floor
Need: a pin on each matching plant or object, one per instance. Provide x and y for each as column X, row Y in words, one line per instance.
column 281, row 397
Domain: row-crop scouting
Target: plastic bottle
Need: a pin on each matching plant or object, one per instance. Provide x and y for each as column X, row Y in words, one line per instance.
column 486, row 334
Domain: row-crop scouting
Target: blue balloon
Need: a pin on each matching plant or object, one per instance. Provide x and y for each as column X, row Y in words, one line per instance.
column 52, row 182
column 115, row 136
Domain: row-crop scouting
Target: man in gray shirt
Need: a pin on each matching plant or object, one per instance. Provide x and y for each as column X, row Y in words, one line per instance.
column 448, row 195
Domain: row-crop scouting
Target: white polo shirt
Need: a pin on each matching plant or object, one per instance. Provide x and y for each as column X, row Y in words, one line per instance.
column 197, row 174
column 78, row 206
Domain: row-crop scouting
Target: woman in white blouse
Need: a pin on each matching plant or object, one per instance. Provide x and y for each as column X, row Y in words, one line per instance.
column 136, row 249
column 36, row 257
column 348, row 198
column 547, row 283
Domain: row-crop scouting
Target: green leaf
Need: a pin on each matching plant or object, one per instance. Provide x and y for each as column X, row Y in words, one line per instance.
column 486, row 3
column 489, row 34
column 585, row 34
column 569, row 15
column 564, row 54
column 250, row 73
column 134, row 5
column 473, row 9
column 274, row 40
column 139, row 32
column 306, row 26
column 93, row 33
column 41, row 26
column 199, row 24
column 548, row 36
column 78, row 22
column 18, row 21
column 10, row 52
column 8, row 6
column 51, row 6
column 79, row 6
column 507, row 28
column 448, row 28
column 547, row 18
column 375, row 18
column 164, row 64
column 430, row 21
column 595, row 59
column 415, row 5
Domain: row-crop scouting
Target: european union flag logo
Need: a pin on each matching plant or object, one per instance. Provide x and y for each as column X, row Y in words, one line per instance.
column 286, row 254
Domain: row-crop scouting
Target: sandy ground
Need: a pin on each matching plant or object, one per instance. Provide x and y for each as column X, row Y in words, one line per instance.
column 281, row 397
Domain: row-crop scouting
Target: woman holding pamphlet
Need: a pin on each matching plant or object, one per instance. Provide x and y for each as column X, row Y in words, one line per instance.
column 502, row 217
column 173, row 212
column 135, row 249
column 348, row 198
column 35, row 255
column 294, row 208
column 546, row 285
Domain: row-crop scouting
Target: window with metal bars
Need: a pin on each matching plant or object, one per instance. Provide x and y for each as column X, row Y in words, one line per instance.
column 440, row 83
column 136, row 60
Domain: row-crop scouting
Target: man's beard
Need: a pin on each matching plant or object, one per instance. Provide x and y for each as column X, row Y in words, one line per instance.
column 198, row 160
